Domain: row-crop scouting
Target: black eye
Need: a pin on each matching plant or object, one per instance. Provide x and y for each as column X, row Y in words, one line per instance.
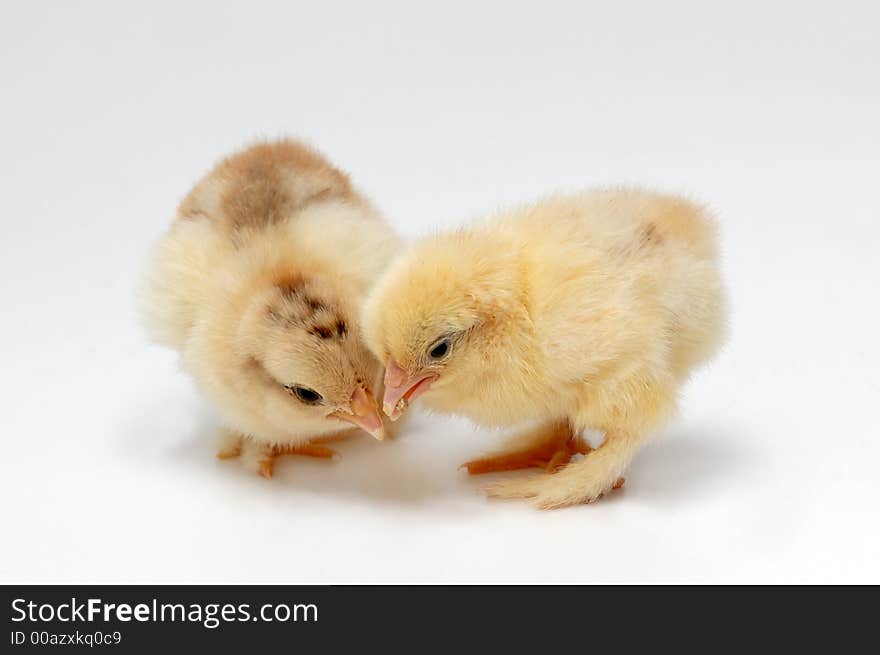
column 306, row 395
column 440, row 350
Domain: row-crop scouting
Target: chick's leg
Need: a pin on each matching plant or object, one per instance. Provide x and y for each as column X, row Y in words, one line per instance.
column 548, row 446
column 268, row 454
column 579, row 482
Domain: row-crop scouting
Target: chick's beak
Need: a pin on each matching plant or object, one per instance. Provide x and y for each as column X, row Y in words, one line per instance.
column 364, row 413
column 401, row 389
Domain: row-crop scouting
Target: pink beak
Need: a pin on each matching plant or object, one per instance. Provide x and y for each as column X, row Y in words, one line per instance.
column 399, row 386
column 364, row 413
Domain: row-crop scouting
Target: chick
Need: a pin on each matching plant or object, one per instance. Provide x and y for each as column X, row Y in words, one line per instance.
column 259, row 284
column 575, row 313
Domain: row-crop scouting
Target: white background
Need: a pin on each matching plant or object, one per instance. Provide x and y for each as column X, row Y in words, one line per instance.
column 768, row 111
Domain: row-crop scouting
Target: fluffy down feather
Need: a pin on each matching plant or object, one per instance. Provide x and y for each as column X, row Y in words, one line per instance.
column 578, row 312
column 258, row 284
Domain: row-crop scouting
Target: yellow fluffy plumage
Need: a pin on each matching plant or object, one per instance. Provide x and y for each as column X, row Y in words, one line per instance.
column 580, row 312
column 259, row 284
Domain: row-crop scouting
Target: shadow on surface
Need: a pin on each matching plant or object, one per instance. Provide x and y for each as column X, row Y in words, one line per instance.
column 421, row 466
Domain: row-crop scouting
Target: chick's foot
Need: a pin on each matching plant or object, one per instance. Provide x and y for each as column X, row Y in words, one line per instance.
column 549, row 448
column 266, row 466
column 260, row 457
column 579, row 482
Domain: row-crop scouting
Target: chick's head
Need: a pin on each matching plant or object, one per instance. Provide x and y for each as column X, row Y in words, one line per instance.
column 444, row 317
column 303, row 359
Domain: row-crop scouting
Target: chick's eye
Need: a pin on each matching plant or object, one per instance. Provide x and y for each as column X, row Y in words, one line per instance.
column 439, row 350
column 306, row 395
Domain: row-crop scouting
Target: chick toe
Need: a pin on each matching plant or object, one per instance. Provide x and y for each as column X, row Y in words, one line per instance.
column 229, row 453
column 548, row 447
column 228, row 444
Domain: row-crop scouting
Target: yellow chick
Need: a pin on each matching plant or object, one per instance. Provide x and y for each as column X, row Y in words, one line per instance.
column 574, row 313
column 259, row 284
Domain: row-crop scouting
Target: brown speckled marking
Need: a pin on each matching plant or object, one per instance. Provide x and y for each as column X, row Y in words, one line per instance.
column 291, row 287
column 259, row 192
column 297, row 308
column 650, row 235
column 264, row 185
column 321, row 331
